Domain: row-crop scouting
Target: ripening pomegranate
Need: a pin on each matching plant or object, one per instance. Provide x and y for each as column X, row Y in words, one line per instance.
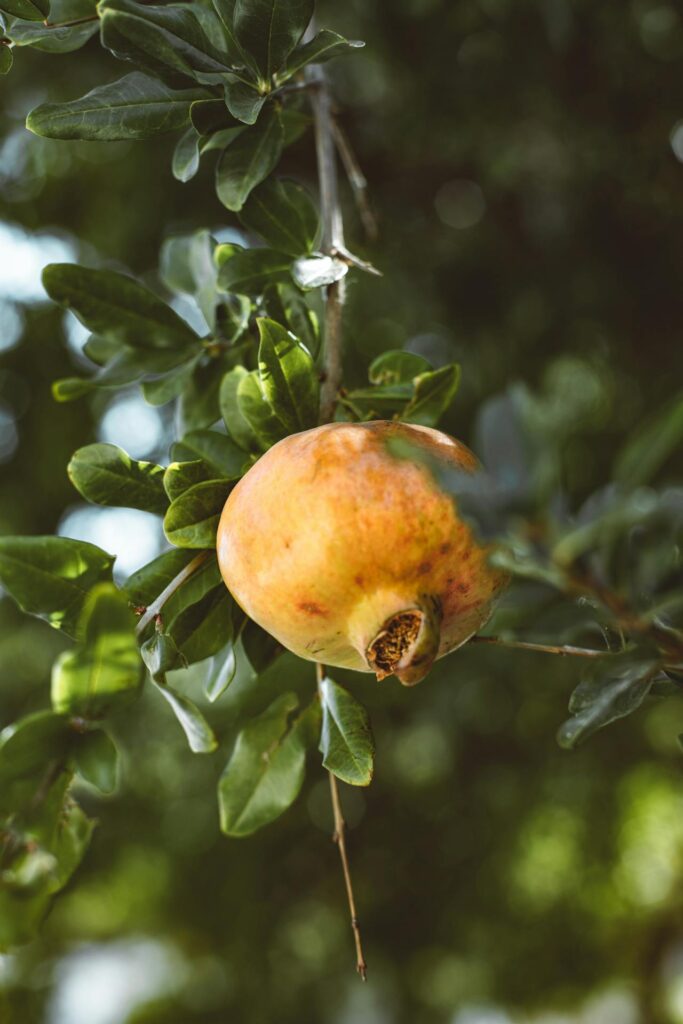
column 351, row 557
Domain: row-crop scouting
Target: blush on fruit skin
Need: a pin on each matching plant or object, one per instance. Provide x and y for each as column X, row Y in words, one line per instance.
column 329, row 539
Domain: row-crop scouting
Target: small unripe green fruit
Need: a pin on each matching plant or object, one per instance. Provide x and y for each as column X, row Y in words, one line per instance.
column 353, row 558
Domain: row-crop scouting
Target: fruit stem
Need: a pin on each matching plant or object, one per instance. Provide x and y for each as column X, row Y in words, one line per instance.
column 339, row 837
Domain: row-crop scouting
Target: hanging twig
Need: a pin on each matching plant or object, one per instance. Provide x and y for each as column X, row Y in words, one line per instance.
column 565, row 650
column 155, row 607
column 339, row 837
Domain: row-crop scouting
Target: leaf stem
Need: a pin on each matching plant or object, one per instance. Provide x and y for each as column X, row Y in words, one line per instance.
column 332, row 238
column 339, row 837
column 155, row 607
column 71, row 24
column 561, row 649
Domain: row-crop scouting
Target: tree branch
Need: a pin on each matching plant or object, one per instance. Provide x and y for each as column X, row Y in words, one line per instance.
column 523, row 645
column 339, row 837
column 155, row 607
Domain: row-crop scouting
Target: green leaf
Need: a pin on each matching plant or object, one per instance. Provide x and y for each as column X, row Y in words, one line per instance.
column 209, row 116
column 346, row 741
column 268, row 30
column 185, row 162
column 258, row 412
column 397, row 367
column 285, row 303
column 161, row 38
column 135, row 107
column 192, row 519
column 238, row 427
column 225, row 10
column 318, row 271
column 200, row 736
column 250, row 271
column 105, row 668
column 260, row 647
column 651, row 445
column 288, row 378
column 205, row 579
column 180, row 476
column 161, row 390
column 51, row 576
column 160, row 655
column 434, row 392
column 204, row 628
column 28, row 746
column 612, row 689
column 129, row 367
column 324, row 46
column 28, row 10
column 283, row 214
column 96, row 759
column 147, row 583
column 6, row 59
column 218, row 451
column 220, row 673
column 249, row 159
column 58, row 37
column 265, row 773
column 243, row 101
column 117, row 307
column 106, row 475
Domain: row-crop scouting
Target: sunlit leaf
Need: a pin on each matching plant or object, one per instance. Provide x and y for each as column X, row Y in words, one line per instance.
column 106, row 475
column 192, row 519
column 397, row 367
column 180, row 476
column 257, row 411
column 288, row 378
column 218, row 451
column 434, row 392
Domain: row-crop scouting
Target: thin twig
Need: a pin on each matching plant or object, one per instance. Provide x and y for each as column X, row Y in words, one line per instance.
column 71, row 24
column 357, row 180
column 332, row 239
column 155, row 607
column 564, row 650
column 339, row 837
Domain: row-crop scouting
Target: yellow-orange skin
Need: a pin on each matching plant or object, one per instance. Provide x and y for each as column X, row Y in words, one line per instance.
column 328, row 535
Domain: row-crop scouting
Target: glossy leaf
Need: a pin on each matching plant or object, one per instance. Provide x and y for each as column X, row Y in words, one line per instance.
column 96, row 759
column 251, row 271
column 218, row 451
column 285, row 303
column 160, row 655
column 106, row 475
column 283, row 214
column 318, row 271
column 136, row 107
column 51, row 576
column 397, row 367
column 249, row 159
column 162, row 38
column 288, row 378
column 146, row 583
column 265, row 772
column 61, row 36
column 268, row 30
column 434, row 392
column 238, row 427
column 116, row 306
column 200, row 736
column 105, row 668
column 611, row 690
column 258, row 412
column 346, row 741
column 185, row 162
column 243, row 101
column 180, row 476
column 29, row 10
column 192, row 519
column 204, row 628
column 220, row 673
column 322, row 47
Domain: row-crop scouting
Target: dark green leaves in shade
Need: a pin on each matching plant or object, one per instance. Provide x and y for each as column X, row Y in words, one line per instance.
column 204, row 628
column 283, row 214
column 28, row 10
column 192, row 519
column 6, row 59
column 346, row 741
column 106, row 475
column 433, row 394
column 28, row 745
column 265, row 773
column 268, row 30
column 249, row 159
column 243, row 101
column 117, row 307
column 164, row 39
column 238, row 427
column 200, row 736
column 51, row 576
column 61, row 35
column 288, row 378
column 651, row 445
column 135, row 107
column 96, row 759
column 612, row 689
column 251, row 271
column 105, row 668
column 324, row 46
column 147, row 583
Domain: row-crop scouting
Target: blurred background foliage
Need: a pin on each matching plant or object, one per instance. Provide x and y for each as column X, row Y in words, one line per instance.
column 525, row 167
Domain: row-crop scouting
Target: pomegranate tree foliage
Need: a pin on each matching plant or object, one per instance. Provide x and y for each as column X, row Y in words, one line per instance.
column 227, row 76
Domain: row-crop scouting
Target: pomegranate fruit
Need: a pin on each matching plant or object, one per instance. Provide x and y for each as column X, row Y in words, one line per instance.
column 353, row 558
